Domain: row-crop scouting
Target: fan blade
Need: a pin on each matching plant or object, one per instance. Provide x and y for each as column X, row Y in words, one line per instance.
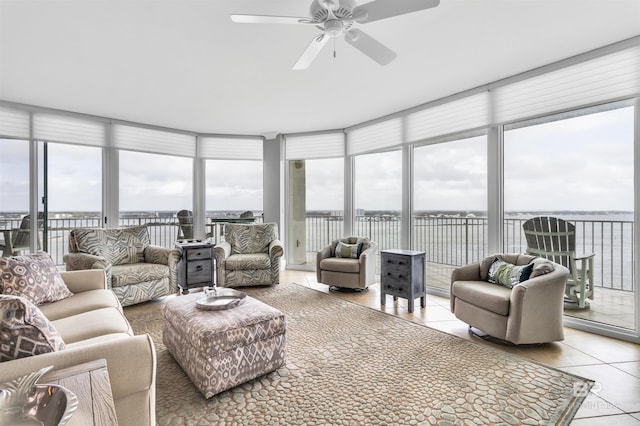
column 382, row 9
column 311, row 52
column 265, row 19
column 370, row 47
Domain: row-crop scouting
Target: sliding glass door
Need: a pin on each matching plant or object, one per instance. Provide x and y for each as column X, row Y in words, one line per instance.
column 579, row 167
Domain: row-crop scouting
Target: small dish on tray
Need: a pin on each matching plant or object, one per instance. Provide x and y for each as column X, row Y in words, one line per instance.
column 217, row 299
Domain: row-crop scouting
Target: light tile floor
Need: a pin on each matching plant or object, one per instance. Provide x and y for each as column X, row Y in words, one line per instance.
column 613, row 364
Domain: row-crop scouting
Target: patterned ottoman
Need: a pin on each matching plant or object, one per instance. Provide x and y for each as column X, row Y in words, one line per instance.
column 222, row 349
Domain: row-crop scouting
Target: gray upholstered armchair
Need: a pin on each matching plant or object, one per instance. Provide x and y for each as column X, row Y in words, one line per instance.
column 136, row 270
column 249, row 255
column 355, row 270
column 528, row 312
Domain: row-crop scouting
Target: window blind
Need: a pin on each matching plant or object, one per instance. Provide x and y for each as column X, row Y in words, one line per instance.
column 312, row 146
column 14, row 123
column 374, row 137
column 605, row 78
column 230, row 148
column 153, row 141
column 471, row 112
column 68, row 129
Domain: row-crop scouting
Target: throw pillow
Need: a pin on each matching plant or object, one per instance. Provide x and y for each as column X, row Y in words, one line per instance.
column 24, row 330
column 508, row 275
column 34, row 277
column 349, row 251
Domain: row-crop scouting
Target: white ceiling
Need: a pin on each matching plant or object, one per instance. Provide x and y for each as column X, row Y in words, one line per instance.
column 184, row 64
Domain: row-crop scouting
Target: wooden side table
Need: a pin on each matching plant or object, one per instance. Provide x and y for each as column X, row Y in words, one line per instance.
column 90, row 383
column 402, row 274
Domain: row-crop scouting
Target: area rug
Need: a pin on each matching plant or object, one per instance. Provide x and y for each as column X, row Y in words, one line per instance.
column 351, row 365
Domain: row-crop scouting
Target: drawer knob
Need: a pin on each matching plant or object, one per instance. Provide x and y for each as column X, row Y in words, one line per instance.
column 199, row 268
column 399, row 276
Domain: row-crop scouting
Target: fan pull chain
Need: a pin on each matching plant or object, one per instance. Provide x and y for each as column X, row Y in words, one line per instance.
column 334, row 47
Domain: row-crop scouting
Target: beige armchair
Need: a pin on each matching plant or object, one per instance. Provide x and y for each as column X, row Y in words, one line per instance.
column 358, row 272
column 136, row 270
column 249, row 255
column 530, row 312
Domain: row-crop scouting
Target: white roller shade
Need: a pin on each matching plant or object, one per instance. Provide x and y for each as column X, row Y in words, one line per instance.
column 14, row 123
column 153, row 141
column 307, row 147
column 68, row 129
column 471, row 112
column 230, row 148
column 374, row 137
column 609, row 77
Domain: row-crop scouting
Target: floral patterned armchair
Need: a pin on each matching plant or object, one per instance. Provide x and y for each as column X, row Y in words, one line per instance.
column 250, row 255
column 136, row 270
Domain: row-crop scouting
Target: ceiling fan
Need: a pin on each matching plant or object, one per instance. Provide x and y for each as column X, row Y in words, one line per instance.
column 337, row 17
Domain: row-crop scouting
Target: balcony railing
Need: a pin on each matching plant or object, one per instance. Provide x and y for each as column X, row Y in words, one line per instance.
column 453, row 241
column 457, row 241
column 163, row 231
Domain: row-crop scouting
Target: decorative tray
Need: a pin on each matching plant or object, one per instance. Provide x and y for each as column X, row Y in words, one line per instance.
column 218, row 299
column 23, row 402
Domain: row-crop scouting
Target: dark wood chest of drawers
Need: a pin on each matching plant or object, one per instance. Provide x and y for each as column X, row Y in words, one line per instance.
column 195, row 268
column 402, row 274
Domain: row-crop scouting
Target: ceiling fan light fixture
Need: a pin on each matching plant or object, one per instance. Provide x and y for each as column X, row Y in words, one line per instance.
column 336, row 17
column 333, row 27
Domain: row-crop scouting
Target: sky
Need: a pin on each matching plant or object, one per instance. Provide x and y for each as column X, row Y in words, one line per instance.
column 583, row 163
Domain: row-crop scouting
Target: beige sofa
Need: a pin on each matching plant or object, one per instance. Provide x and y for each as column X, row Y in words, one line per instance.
column 92, row 324
column 530, row 312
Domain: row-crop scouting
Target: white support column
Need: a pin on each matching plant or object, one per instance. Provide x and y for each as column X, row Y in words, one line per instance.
column 33, row 189
column 495, row 185
column 407, row 197
column 348, row 195
column 199, row 198
column 273, row 182
column 110, row 183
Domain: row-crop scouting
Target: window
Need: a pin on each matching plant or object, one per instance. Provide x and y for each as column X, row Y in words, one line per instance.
column 74, row 193
column 14, row 183
column 450, row 203
column 579, row 168
column 153, row 188
column 378, row 197
column 233, row 187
